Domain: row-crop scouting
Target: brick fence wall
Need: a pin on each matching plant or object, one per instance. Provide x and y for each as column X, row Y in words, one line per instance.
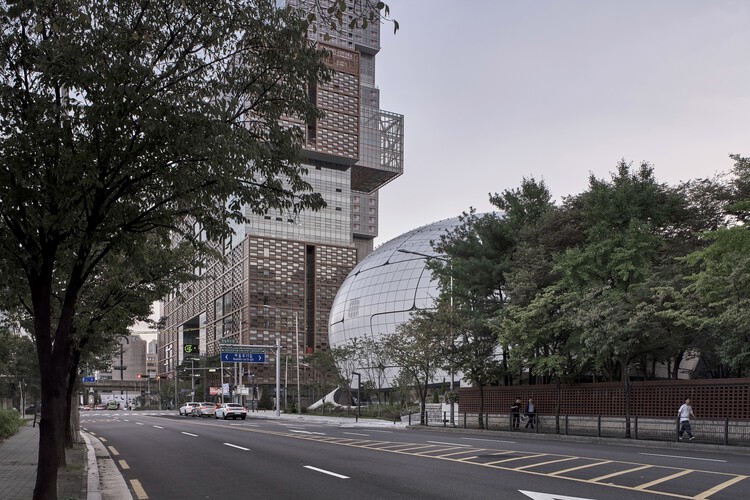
column 711, row 398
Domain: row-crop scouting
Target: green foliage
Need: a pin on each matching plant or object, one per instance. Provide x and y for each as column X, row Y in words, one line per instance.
column 10, row 421
column 266, row 401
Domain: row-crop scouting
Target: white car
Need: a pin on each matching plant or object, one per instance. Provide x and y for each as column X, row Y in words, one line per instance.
column 187, row 408
column 233, row 410
column 204, row 409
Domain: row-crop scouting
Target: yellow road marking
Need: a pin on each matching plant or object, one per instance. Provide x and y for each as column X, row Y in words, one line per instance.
column 663, row 479
column 469, row 450
column 416, row 447
column 140, row 493
column 113, row 451
column 516, row 458
column 607, row 476
column 580, row 467
column 124, row 465
column 719, row 487
column 441, row 449
column 545, row 463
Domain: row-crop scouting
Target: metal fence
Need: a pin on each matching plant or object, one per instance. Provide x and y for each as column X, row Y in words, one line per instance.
column 730, row 432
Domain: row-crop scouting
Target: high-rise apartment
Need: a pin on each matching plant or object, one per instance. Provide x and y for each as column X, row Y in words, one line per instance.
column 282, row 274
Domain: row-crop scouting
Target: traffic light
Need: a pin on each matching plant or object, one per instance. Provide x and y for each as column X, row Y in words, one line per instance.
column 139, row 375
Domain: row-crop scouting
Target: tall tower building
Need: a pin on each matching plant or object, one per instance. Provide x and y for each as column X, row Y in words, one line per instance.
column 281, row 275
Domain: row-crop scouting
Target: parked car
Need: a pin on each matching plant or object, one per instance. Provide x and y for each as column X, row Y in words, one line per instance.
column 100, row 406
column 232, row 410
column 187, row 408
column 204, row 409
column 113, row 405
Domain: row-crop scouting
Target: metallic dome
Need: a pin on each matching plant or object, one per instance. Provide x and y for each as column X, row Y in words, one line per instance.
column 386, row 286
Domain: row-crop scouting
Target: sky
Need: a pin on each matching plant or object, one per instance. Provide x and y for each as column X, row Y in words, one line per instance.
column 494, row 91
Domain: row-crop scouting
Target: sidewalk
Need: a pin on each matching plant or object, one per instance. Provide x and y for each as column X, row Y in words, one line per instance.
column 18, row 461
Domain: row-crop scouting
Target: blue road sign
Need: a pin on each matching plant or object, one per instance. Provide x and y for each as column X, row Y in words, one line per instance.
column 89, row 379
column 243, row 357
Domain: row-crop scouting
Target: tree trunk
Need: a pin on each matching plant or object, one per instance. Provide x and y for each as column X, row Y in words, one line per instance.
column 626, row 379
column 558, row 386
column 481, row 405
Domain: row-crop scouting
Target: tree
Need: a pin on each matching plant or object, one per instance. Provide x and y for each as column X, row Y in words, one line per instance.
column 717, row 299
column 117, row 120
column 626, row 222
column 474, row 279
column 412, row 348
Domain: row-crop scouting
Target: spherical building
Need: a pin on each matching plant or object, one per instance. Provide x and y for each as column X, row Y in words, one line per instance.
column 388, row 285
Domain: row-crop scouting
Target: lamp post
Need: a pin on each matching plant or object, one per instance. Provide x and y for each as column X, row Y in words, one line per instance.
column 359, row 384
column 296, row 333
column 450, row 291
column 122, row 368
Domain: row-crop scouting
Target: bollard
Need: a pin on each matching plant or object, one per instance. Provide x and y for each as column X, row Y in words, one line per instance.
column 599, row 426
column 635, row 427
column 566, row 425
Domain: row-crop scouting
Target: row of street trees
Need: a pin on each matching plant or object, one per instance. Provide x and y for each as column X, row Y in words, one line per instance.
column 118, row 120
column 627, row 276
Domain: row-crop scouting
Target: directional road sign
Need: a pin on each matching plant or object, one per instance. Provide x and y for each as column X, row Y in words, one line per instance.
column 89, row 379
column 240, row 357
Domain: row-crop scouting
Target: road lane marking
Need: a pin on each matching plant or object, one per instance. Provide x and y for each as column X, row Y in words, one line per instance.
column 113, row 451
column 124, row 465
column 626, row 471
column 356, row 434
column 238, row 447
column 684, row 458
column 586, row 466
column 139, row 423
column 440, row 449
column 323, row 471
column 516, row 458
column 490, row 440
column 545, row 463
column 663, row 479
column 188, row 434
column 450, row 444
column 719, row 487
column 158, row 426
column 307, row 432
column 140, row 493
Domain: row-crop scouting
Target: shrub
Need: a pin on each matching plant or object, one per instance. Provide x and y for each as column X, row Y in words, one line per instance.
column 10, row 421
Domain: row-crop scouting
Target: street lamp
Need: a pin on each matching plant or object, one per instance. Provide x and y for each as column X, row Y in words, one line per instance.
column 296, row 334
column 450, row 291
column 359, row 401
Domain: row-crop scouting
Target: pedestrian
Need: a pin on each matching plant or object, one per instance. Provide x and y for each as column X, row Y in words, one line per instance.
column 530, row 413
column 684, row 414
column 515, row 411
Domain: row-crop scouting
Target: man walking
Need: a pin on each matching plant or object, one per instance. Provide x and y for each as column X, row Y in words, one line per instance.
column 684, row 414
column 515, row 411
column 530, row 413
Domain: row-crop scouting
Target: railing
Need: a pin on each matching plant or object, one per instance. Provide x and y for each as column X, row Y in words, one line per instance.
column 729, row 432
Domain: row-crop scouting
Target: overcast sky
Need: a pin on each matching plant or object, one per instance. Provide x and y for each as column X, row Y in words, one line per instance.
column 493, row 91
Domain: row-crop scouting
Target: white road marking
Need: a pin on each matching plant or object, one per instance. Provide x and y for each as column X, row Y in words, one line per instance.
column 307, row 432
column 356, row 434
column 139, row 423
column 449, row 444
column 684, row 458
column 340, row 476
column 188, row 434
column 490, row 440
column 158, row 426
column 238, row 447
column 547, row 496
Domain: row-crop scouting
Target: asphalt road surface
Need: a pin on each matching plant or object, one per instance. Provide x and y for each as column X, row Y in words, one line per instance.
column 165, row 456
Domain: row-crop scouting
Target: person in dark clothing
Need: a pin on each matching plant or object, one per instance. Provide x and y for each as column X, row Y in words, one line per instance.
column 515, row 411
column 530, row 413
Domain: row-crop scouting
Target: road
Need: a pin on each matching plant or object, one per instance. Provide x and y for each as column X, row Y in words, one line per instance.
column 164, row 456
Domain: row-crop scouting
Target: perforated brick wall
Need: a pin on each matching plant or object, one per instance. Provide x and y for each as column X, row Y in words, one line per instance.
column 714, row 398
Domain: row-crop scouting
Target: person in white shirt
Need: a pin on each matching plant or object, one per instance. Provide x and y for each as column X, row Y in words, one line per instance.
column 684, row 414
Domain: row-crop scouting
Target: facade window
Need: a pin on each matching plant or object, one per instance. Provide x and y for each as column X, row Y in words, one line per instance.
column 218, row 309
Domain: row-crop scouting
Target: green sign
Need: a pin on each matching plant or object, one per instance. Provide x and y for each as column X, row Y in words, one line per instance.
column 191, row 349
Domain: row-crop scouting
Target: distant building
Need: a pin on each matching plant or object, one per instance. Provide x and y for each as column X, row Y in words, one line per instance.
column 282, row 272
